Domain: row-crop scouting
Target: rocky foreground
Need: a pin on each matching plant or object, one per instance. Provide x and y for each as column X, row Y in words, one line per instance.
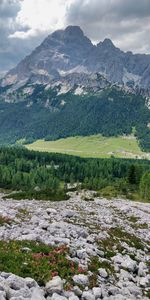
column 112, row 235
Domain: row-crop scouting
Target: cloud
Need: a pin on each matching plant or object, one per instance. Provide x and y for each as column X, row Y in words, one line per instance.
column 9, row 8
column 41, row 16
column 24, row 24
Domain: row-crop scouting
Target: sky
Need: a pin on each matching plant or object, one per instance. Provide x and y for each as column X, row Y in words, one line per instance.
column 25, row 23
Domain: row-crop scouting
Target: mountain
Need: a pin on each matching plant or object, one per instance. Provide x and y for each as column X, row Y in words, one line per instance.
column 68, row 86
column 70, row 51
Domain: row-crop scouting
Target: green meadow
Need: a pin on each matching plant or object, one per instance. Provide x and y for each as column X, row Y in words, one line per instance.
column 92, row 146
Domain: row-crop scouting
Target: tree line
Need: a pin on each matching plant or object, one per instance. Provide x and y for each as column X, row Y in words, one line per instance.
column 46, row 175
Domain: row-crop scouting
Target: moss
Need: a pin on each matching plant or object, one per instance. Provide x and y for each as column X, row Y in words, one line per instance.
column 96, row 264
column 5, row 220
column 148, row 294
column 116, row 237
column 36, row 260
column 41, row 195
column 87, row 199
column 132, row 219
column 143, row 226
column 23, row 214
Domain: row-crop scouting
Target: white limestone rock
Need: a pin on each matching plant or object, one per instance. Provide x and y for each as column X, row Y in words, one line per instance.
column 81, row 279
column 54, row 286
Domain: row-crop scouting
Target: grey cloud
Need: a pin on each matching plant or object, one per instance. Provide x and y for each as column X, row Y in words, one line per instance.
column 9, row 8
column 12, row 50
column 101, row 9
column 8, row 13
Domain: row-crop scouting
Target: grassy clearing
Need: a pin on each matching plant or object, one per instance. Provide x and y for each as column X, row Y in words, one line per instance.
column 38, row 261
column 92, row 146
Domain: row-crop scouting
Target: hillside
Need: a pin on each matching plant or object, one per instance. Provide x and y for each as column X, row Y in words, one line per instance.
column 110, row 239
column 69, row 51
column 69, row 87
column 90, row 241
column 49, row 115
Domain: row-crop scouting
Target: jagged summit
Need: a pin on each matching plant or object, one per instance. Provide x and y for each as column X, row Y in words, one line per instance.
column 74, row 30
column 69, row 34
column 70, row 51
column 108, row 43
column 67, row 87
column 69, row 31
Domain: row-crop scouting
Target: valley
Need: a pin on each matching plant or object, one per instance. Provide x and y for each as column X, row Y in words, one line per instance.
column 93, row 146
column 69, row 87
column 75, row 171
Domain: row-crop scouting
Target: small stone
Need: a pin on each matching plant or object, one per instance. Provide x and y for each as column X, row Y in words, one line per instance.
column 142, row 270
column 73, row 297
column 88, row 296
column 134, row 290
column 5, row 275
column 81, row 254
column 2, row 295
column 26, row 249
column 103, row 273
column 23, row 292
column 117, row 297
column 30, row 282
column 113, row 291
column 97, row 292
column 69, row 214
column 37, row 294
column 58, row 297
column 129, row 264
column 145, row 281
column 16, row 298
column 51, row 211
column 77, row 291
column 100, row 253
column 90, row 240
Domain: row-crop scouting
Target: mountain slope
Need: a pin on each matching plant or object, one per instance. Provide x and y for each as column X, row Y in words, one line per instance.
column 70, row 51
column 68, row 87
column 110, row 112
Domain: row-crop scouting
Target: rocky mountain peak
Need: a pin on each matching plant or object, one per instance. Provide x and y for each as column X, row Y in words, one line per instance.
column 70, row 50
column 75, row 31
column 69, row 34
column 106, row 44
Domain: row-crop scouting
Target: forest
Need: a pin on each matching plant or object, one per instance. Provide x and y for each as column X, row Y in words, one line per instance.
column 110, row 112
column 47, row 175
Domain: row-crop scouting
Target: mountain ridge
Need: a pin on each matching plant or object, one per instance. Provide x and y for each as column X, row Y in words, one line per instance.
column 67, row 86
column 66, row 50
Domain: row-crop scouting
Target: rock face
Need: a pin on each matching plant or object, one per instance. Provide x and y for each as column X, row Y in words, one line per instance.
column 69, row 52
column 99, row 233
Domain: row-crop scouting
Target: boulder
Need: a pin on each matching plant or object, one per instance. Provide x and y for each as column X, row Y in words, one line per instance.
column 54, row 286
column 81, row 279
column 37, row 294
